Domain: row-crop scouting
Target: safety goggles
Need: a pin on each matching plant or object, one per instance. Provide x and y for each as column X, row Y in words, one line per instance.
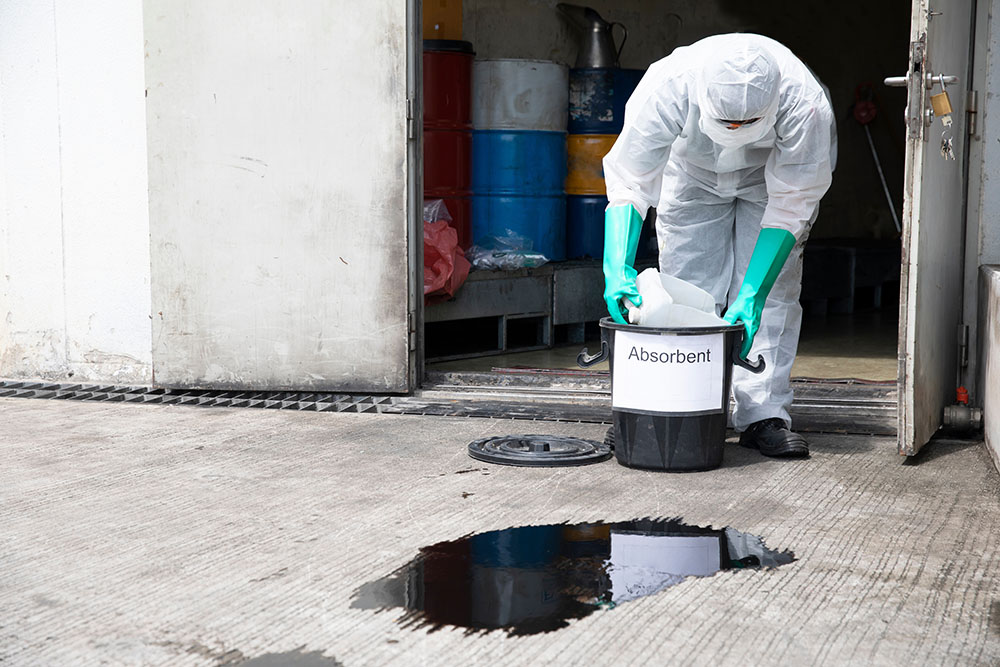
column 737, row 124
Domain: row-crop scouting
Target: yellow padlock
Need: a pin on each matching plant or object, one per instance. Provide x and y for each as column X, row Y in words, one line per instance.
column 941, row 104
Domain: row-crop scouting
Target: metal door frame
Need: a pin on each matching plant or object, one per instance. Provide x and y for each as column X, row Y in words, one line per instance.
column 918, row 104
column 415, row 188
column 415, row 194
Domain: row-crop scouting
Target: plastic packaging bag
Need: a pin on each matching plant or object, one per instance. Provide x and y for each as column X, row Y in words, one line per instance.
column 435, row 209
column 671, row 302
column 507, row 253
column 445, row 265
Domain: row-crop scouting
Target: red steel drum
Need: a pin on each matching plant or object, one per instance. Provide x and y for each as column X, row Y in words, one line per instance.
column 447, row 129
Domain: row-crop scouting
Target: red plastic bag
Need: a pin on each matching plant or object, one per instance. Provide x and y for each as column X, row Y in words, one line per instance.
column 445, row 265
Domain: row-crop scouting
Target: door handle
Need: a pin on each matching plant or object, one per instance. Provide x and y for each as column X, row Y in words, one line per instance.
column 930, row 80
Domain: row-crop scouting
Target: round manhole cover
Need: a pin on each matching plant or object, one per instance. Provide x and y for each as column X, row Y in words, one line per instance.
column 538, row 450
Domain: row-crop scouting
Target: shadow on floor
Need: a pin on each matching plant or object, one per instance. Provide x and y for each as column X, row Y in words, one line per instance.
column 941, row 447
column 735, row 456
column 843, row 442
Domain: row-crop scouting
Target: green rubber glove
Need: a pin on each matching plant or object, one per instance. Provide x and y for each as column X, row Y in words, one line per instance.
column 622, row 225
column 769, row 255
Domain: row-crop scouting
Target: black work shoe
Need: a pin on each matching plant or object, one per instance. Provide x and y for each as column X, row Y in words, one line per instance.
column 773, row 438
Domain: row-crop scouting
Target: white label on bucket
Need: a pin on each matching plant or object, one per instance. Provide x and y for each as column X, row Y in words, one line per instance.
column 668, row 373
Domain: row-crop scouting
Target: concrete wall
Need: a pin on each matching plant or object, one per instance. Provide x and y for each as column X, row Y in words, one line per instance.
column 75, row 286
column 74, row 246
column 987, row 239
column 278, row 193
column 857, row 42
column 989, row 356
column 982, row 222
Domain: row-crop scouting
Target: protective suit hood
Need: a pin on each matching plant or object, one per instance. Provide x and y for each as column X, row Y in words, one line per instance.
column 741, row 85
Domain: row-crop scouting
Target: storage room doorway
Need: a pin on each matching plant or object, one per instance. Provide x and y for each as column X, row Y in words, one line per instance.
column 529, row 318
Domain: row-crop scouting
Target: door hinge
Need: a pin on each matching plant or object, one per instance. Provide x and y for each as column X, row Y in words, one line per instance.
column 963, row 345
column 411, row 121
column 411, row 331
column 972, row 107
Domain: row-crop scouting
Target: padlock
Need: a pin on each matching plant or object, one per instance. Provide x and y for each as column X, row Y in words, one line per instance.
column 941, row 103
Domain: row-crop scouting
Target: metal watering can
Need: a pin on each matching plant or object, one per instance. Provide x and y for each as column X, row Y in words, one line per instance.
column 597, row 42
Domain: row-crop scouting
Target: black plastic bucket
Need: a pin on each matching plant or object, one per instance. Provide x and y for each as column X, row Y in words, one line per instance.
column 670, row 392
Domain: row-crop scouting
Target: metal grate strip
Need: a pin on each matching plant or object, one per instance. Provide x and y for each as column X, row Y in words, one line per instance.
column 274, row 400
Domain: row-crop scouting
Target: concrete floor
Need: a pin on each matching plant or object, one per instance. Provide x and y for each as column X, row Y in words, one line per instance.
column 166, row 535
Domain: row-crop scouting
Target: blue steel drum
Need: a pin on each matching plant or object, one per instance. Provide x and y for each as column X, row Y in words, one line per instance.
column 517, row 184
column 518, row 162
column 597, row 98
column 539, row 218
column 585, row 229
column 585, row 226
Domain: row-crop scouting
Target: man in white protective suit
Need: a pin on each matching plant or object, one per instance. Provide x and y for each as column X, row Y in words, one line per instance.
column 733, row 141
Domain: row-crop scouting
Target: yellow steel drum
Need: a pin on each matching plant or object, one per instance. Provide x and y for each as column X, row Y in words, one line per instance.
column 585, row 169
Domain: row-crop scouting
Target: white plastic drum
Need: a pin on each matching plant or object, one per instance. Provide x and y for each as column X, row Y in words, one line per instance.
column 515, row 94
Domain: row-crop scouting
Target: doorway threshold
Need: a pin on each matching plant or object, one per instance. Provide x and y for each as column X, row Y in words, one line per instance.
column 847, row 405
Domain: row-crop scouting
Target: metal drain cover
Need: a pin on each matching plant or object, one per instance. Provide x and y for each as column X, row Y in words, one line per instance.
column 538, row 450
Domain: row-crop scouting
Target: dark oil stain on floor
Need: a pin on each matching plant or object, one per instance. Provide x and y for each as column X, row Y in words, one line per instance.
column 292, row 659
column 532, row 579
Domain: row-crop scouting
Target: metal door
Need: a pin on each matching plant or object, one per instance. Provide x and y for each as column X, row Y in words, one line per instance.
column 279, row 209
column 934, row 207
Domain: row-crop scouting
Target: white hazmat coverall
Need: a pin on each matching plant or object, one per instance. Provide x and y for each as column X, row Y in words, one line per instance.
column 714, row 189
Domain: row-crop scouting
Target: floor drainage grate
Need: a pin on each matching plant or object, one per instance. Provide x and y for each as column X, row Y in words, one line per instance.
column 275, row 400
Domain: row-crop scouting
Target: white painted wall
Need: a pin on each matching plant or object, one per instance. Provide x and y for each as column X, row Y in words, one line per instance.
column 278, row 193
column 987, row 242
column 74, row 229
column 989, row 353
column 982, row 245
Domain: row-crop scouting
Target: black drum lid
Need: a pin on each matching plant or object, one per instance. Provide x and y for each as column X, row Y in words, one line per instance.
column 538, row 450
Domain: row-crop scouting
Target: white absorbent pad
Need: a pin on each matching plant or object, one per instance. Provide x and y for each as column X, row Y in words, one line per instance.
column 671, row 302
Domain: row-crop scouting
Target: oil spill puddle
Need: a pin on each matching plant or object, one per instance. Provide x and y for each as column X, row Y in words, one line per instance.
column 533, row 579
